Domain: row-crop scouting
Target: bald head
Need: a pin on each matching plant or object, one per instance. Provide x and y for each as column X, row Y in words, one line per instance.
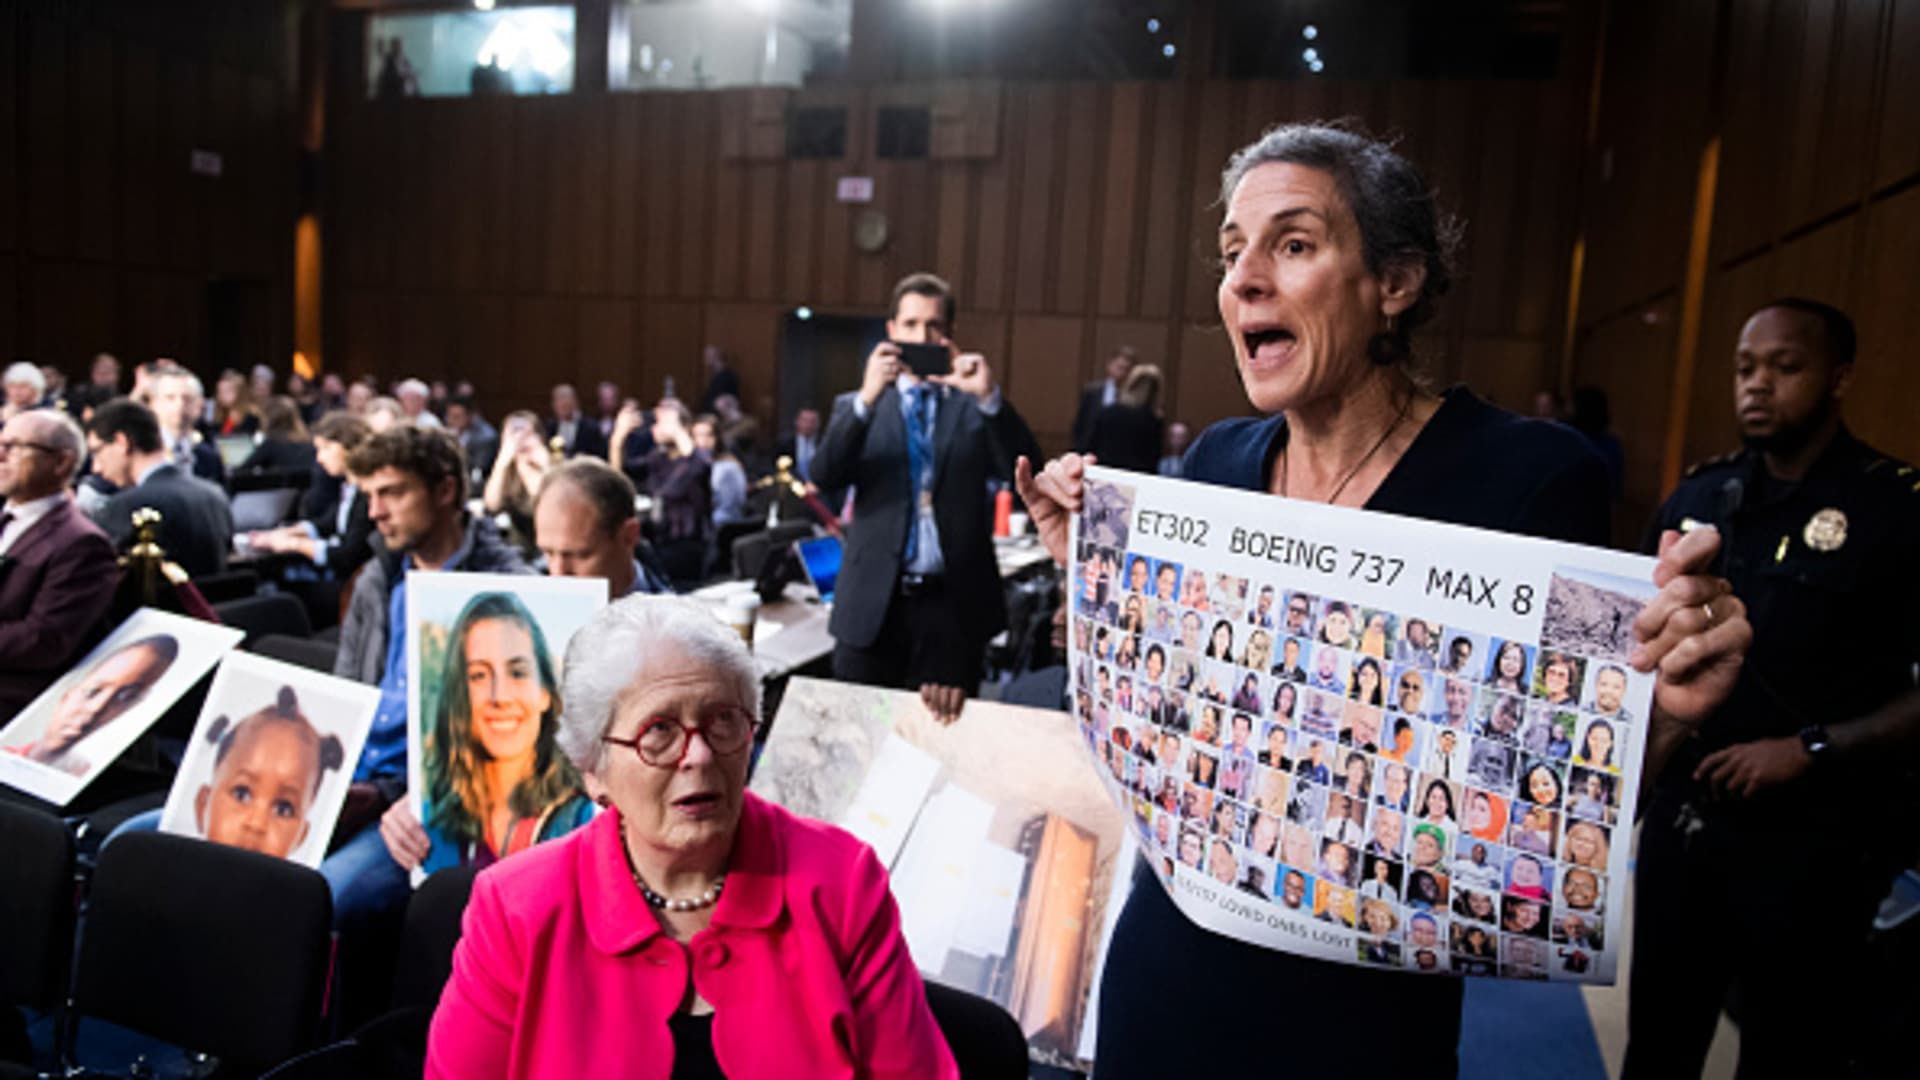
column 584, row 523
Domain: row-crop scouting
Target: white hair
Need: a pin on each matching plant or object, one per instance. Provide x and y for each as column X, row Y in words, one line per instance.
column 607, row 658
column 413, row 386
column 23, row 372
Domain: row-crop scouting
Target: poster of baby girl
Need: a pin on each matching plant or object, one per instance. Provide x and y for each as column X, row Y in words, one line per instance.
column 270, row 759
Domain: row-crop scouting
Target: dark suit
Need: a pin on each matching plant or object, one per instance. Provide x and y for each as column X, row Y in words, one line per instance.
column 877, row 625
column 1093, row 397
column 196, row 526
column 355, row 541
column 586, row 436
column 204, row 457
column 831, row 498
column 1127, row 437
column 56, row 583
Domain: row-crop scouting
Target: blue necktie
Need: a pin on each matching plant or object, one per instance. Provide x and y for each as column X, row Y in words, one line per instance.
column 919, row 457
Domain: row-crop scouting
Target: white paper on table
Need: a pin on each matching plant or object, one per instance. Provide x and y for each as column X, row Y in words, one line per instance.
column 930, row 882
column 883, row 809
column 993, row 900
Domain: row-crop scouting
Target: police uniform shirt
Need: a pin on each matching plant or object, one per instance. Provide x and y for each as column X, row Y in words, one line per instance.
column 1829, row 568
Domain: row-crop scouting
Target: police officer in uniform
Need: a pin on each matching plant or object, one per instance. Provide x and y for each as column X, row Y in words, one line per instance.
column 1770, row 837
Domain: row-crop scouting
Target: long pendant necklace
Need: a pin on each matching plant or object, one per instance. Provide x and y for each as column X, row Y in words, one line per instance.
column 1358, row 465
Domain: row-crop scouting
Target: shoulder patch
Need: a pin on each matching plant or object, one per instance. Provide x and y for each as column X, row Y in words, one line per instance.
column 1901, row 475
column 1699, row 467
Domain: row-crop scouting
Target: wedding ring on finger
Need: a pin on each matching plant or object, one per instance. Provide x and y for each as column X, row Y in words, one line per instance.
column 1707, row 609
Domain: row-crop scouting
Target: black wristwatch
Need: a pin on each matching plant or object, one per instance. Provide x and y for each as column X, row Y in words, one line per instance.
column 1814, row 738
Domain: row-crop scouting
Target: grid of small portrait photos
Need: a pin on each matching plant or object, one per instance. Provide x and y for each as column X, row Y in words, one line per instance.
column 1453, row 798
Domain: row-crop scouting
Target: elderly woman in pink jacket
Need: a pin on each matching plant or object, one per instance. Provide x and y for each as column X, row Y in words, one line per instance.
column 693, row 930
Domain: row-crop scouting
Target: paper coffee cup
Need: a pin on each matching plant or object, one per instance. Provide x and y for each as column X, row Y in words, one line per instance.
column 1017, row 524
column 742, row 610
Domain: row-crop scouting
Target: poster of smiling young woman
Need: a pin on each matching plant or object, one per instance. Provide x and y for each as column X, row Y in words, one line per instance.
column 484, row 651
column 1363, row 737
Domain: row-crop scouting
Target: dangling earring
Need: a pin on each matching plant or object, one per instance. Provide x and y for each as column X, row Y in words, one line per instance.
column 1389, row 324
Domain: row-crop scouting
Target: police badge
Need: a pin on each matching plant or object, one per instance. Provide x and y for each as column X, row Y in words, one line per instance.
column 1826, row 530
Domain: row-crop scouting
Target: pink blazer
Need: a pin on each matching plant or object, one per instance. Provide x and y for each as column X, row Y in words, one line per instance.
column 563, row 971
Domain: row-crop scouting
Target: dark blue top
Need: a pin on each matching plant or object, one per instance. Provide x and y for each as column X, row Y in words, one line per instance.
column 1474, row 465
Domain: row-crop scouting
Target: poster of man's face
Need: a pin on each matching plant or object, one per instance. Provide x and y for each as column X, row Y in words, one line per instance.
column 269, row 763
column 73, row 731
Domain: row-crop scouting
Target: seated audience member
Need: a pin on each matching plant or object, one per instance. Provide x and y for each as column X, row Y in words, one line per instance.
column 577, row 432
column 478, row 439
column 416, row 486
column 285, row 445
column 515, row 479
column 413, row 396
column 59, row 571
column 337, row 535
column 802, row 444
column 1096, row 396
column 677, row 476
column 25, row 386
column 728, row 476
column 260, row 381
column 586, row 527
column 382, row 413
column 177, row 400
column 1178, row 435
column 196, row 528
column 729, row 936
column 234, row 412
column 1127, row 433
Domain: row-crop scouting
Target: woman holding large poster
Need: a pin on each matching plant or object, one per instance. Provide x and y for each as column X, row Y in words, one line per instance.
column 1332, row 253
column 496, row 781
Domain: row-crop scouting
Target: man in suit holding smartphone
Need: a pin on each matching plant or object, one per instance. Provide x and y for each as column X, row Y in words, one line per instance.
column 920, row 594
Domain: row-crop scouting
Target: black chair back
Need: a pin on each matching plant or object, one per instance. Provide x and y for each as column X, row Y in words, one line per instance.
column 36, row 907
column 259, row 616
column 752, row 550
column 432, row 930
column 231, row 585
column 985, row 1039
column 310, row 653
column 207, row 947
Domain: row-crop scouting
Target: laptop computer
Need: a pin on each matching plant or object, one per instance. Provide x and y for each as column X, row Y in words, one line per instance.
column 820, row 558
column 234, row 449
column 262, row 509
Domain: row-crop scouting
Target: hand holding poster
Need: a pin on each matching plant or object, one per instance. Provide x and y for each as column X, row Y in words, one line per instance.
column 485, row 773
column 67, row 737
column 270, row 760
column 1361, row 737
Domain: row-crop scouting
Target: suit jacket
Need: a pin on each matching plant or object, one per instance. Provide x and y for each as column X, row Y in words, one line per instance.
column 196, row 526
column 1127, row 437
column 563, row 971
column 586, row 436
column 1092, row 399
column 207, row 464
column 56, row 584
column 356, row 540
column 969, row 447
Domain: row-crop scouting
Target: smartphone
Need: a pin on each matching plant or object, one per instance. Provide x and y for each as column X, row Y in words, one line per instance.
column 924, row 360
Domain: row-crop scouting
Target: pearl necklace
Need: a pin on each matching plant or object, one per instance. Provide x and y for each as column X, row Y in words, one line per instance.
column 665, row 903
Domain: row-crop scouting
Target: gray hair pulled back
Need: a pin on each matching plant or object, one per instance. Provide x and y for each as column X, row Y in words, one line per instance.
column 1391, row 201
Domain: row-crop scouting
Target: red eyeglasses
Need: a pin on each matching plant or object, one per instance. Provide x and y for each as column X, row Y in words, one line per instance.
column 662, row 741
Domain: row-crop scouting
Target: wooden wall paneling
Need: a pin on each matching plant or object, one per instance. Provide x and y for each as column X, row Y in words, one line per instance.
column 1763, row 70
column 1803, row 161
column 730, row 213
column 1731, row 296
column 750, row 333
column 592, row 183
column 526, row 211
column 47, row 131
column 267, row 230
column 1845, row 131
column 1209, row 112
column 1148, row 339
column 1043, row 373
column 220, row 197
column 606, row 346
column 11, row 330
column 1168, row 142
column 1504, row 370
column 624, row 195
column 765, row 247
column 953, row 221
column 1124, row 172
column 1623, row 356
column 992, row 262
column 1886, row 383
column 1206, row 383
column 809, row 189
column 12, row 88
column 919, row 188
column 1038, row 196
column 874, row 272
column 1497, row 200
column 692, row 151
column 1898, row 155
column 670, row 334
column 139, row 134
column 466, row 201
column 659, row 230
column 482, row 344
column 160, row 312
column 1076, row 253
column 1549, row 163
column 544, row 342
column 1820, row 264
column 91, row 165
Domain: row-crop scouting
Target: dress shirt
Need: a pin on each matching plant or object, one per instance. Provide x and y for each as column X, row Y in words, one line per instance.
column 23, row 516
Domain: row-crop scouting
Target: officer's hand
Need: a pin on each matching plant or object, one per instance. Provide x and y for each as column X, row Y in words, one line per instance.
column 406, row 841
column 883, row 366
column 1695, row 633
column 1749, row 768
column 1053, row 497
column 944, row 702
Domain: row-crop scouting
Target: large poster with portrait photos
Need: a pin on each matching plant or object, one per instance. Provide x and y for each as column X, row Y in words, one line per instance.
column 1362, row 737
column 270, row 759
column 66, row 737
